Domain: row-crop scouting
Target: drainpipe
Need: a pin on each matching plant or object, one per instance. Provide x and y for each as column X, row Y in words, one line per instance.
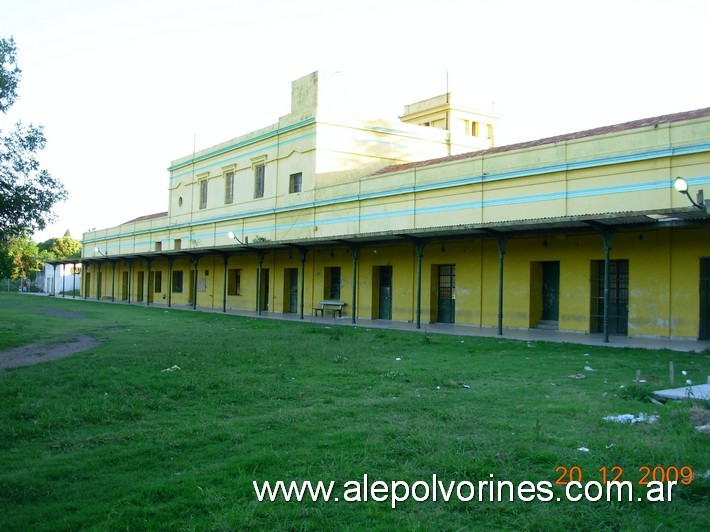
column 419, row 245
column 355, row 250
column 303, row 253
column 502, row 241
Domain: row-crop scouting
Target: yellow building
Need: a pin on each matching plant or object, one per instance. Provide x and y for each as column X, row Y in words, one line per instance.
column 422, row 219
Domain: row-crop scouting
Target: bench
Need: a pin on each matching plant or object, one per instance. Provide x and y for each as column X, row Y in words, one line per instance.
column 330, row 305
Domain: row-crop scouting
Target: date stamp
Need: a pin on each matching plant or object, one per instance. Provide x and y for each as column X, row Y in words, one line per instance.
column 656, row 483
column 615, row 473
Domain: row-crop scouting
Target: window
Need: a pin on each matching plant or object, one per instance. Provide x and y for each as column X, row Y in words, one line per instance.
column 234, row 282
column 158, row 285
column 178, row 244
column 474, row 129
column 331, row 288
column 259, row 181
column 294, row 184
column 177, row 281
column 158, row 246
column 203, row 194
column 229, row 187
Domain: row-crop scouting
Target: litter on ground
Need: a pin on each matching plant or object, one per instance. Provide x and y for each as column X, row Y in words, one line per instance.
column 631, row 419
column 174, row 368
column 578, row 376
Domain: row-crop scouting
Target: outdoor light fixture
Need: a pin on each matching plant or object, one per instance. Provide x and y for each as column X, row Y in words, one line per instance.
column 97, row 250
column 232, row 236
column 681, row 185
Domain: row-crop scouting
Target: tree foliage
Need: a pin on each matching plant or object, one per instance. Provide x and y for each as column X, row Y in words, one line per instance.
column 27, row 192
column 65, row 247
column 20, row 258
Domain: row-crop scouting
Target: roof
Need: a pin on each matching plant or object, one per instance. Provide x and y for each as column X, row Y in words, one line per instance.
column 146, row 217
column 604, row 130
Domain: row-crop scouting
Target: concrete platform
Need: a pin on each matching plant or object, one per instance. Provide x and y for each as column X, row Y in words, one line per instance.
column 698, row 392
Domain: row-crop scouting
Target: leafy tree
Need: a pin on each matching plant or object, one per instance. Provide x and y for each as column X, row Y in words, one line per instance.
column 27, row 192
column 20, row 258
column 65, row 247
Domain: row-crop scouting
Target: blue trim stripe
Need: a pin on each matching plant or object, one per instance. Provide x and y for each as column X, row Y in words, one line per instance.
column 530, row 198
column 243, row 143
column 477, row 179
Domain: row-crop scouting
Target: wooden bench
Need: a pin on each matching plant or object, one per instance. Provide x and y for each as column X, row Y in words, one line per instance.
column 330, row 305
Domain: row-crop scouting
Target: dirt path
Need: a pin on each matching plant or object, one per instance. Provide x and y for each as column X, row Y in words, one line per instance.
column 27, row 355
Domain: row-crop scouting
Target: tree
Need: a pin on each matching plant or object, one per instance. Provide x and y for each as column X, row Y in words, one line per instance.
column 27, row 192
column 65, row 247
column 20, row 258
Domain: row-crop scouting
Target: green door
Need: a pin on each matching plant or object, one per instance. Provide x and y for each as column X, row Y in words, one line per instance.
column 385, row 310
column 704, row 328
column 618, row 313
column 551, row 291
column 446, row 312
column 293, row 290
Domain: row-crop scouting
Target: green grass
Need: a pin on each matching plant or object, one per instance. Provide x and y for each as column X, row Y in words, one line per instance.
column 105, row 439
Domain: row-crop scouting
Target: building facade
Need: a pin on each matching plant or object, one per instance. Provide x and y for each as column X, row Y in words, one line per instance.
column 425, row 220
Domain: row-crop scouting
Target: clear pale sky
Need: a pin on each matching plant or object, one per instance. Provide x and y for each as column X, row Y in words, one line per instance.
column 125, row 87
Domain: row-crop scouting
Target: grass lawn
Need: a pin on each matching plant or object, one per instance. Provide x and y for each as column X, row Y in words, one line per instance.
column 105, row 439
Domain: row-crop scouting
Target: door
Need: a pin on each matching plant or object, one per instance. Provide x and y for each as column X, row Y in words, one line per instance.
column 139, row 286
column 385, row 299
column 704, row 327
column 446, row 310
column 618, row 313
column 292, row 279
column 551, row 291
column 264, row 289
column 124, row 286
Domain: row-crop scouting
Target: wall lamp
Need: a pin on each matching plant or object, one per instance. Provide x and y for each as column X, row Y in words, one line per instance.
column 97, row 250
column 681, row 185
column 232, row 236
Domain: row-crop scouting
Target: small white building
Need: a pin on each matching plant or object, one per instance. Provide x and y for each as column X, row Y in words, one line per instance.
column 60, row 279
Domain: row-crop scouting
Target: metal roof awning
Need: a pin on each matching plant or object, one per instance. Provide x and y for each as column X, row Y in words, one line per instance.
column 670, row 218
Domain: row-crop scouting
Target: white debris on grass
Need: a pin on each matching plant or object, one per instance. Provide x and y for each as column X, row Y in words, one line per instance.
column 583, row 449
column 587, row 368
column 173, row 368
column 631, row 419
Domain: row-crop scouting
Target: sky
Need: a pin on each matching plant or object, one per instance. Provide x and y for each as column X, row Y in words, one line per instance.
column 123, row 88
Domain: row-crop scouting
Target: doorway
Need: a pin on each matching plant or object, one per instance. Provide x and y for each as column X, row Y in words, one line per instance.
column 704, row 327
column 124, row 286
column 551, row 291
column 291, row 290
column 382, row 288
column 446, row 309
column 264, row 288
column 139, row 286
column 618, row 312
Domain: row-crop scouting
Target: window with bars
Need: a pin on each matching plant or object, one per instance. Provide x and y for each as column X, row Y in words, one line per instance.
column 229, row 187
column 203, row 194
column 259, row 181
